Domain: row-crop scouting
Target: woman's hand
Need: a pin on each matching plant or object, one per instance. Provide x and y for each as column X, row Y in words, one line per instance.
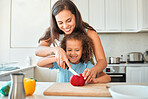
column 61, row 58
column 94, row 81
column 89, row 74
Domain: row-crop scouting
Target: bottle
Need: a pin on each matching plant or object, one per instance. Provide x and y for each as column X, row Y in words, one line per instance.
column 28, row 61
column 17, row 90
column 121, row 58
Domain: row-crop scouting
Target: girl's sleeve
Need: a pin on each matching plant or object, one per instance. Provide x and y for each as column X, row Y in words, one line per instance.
column 89, row 65
column 55, row 66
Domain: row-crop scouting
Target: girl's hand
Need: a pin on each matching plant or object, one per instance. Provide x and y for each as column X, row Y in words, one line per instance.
column 89, row 74
column 61, row 58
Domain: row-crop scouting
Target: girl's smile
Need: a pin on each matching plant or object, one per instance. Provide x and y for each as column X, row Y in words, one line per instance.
column 74, row 50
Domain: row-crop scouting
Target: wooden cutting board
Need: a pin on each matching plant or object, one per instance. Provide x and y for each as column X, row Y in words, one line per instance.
column 66, row 89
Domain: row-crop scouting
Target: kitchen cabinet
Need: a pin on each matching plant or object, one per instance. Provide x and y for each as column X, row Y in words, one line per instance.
column 143, row 15
column 5, row 78
column 136, row 74
column 146, row 74
column 113, row 15
column 51, row 75
column 29, row 73
column 96, row 14
column 29, row 20
column 105, row 15
column 129, row 15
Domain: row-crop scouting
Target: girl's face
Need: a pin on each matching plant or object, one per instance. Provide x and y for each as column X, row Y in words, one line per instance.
column 66, row 21
column 74, row 50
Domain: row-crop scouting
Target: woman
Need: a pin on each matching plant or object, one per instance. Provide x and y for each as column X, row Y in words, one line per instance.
column 65, row 19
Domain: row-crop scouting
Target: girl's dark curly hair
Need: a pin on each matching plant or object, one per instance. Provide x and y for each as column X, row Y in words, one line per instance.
column 87, row 45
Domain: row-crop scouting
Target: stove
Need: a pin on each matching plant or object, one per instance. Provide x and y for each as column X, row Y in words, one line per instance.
column 116, row 72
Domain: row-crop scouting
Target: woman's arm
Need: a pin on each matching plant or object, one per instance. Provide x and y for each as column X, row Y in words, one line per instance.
column 44, row 50
column 99, row 55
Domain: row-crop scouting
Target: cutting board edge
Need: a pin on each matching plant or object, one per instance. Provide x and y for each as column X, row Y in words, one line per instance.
column 82, row 95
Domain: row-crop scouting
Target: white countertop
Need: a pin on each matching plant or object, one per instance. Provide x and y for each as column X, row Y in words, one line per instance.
column 42, row 86
column 2, row 73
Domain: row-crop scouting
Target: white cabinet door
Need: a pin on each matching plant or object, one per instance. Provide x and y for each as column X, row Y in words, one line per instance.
column 29, row 20
column 29, row 73
column 82, row 6
column 5, row 78
column 129, row 15
column 146, row 74
column 143, row 14
column 96, row 15
column 135, row 74
column 113, row 15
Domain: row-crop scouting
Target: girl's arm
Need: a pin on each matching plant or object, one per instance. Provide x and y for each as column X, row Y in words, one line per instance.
column 101, row 78
column 44, row 50
column 46, row 61
column 99, row 55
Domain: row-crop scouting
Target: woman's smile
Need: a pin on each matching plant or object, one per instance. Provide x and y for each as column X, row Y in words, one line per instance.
column 67, row 30
column 65, row 21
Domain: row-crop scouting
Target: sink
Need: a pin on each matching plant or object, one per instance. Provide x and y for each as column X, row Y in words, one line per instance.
column 8, row 68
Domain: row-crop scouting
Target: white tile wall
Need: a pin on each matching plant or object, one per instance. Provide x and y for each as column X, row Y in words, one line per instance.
column 121, row 44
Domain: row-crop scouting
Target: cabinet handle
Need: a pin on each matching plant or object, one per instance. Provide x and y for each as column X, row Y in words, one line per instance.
column 116, row 75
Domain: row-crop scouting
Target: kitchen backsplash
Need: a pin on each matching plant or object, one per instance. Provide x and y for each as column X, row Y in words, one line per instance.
column 120, row 44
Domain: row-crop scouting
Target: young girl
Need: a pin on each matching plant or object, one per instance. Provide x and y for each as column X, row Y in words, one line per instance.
column 79, row 50
column 65, row 19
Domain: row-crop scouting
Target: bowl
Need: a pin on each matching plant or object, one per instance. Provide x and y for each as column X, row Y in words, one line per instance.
column 129, row 92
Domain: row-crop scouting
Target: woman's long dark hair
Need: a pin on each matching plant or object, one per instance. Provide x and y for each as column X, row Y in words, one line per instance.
column 87, row 45
column 53, row 31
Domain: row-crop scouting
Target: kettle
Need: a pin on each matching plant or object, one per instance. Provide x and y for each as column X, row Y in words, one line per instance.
column 146, row 56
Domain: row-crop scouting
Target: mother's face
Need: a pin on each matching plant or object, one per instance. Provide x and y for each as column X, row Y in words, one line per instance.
column 66, row 21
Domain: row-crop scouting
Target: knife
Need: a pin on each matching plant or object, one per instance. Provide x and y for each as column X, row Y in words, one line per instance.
column 71, row 70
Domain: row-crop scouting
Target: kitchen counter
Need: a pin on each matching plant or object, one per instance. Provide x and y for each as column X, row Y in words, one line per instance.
column 42, row 86
column 129, row 64
column 3, row 73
